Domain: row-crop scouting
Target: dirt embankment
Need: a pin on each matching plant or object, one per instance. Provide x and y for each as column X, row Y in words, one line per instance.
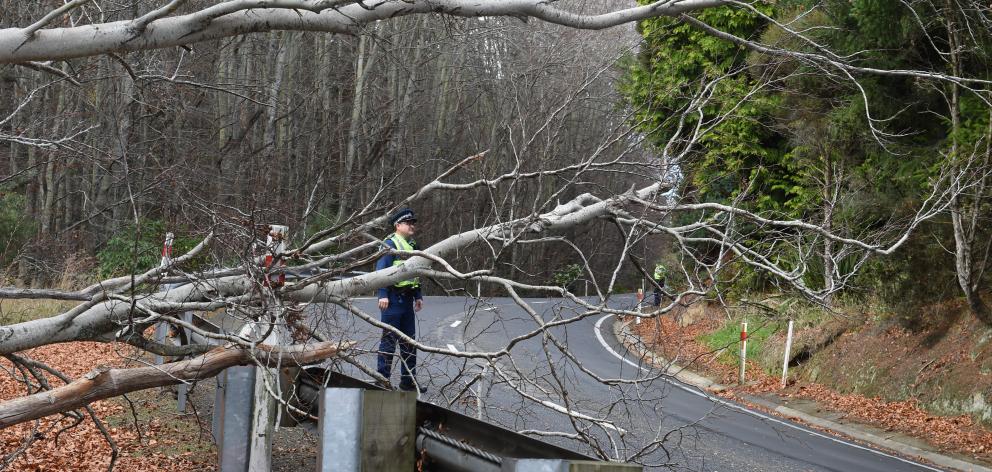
column 931, row 383
column 945, row 364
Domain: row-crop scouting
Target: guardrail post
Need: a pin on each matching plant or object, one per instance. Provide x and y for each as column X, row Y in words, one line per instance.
column 366, row 430
column 161, row 331
column 236, row 417
column 218, row 410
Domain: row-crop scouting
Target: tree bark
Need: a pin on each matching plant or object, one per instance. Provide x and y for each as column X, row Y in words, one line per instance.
column 363, row 64
column 208, row 24
column 105, row 382
column 963, row 215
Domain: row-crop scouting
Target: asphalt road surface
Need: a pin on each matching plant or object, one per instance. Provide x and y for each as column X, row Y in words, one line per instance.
column 658, row 420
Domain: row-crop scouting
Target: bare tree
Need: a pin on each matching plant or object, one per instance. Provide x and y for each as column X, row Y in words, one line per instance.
column 535, row 175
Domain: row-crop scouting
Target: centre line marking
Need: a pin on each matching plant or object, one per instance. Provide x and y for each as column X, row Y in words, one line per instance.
column 456, row 323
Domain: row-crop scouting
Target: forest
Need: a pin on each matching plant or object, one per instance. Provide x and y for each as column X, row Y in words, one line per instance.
column 820, row 161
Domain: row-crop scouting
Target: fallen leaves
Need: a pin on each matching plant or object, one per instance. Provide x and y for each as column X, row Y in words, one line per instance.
column 949, row 433
column 953, row 433
column 60, row 445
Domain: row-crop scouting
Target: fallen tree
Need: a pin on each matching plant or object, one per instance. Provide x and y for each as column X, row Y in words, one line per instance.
column 105, row 382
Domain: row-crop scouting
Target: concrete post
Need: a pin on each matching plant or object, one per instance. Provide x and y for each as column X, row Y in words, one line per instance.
column 183, row 393
column 366, row 430
column 263, row 422
column 263, row 405
column 481, row 386
column 162, row 329
column 244, row 414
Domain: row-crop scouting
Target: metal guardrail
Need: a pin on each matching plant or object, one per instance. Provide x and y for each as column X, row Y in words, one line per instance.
column 448, row 440
column 453, row 454
column 467, row 430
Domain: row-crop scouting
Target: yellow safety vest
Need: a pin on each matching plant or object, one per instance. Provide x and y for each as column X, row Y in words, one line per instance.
column 660, row 272
column 402, row 245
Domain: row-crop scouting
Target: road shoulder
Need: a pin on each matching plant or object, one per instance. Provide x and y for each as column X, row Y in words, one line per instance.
column 858, row 432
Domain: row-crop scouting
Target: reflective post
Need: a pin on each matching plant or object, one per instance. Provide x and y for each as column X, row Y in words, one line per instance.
column 785, row 360
column 740, row 378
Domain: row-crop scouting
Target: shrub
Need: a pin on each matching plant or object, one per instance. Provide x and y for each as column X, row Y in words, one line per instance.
column 567, row 275
column 15, row 229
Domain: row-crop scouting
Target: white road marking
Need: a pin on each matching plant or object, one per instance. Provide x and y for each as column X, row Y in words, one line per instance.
column 696, row 392
column 550, row 404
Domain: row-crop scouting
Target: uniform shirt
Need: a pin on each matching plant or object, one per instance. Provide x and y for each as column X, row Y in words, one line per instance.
column 386, row 262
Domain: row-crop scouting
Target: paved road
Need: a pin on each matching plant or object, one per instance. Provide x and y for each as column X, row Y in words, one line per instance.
column 697, row 432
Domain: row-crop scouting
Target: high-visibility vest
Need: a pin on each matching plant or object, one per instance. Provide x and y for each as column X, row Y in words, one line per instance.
column 402, row 245
column 660, row 272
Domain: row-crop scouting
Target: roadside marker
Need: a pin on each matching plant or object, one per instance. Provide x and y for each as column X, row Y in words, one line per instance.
column 740, row 378
column 699, row 392
column 167, row 249
column 275, row 244
column 640, row 299
column 785, row 361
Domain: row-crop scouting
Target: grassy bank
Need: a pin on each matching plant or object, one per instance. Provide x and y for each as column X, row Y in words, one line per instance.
column 18, row 311
column 944, row 363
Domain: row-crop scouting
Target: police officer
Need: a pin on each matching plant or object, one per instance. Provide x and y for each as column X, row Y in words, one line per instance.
column 660, row 271
column 398, row 304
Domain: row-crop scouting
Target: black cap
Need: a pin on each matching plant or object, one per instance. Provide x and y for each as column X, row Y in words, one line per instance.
column 405, row 214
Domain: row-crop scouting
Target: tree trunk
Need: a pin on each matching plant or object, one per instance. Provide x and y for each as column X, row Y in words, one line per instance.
column 106, row 383
column 362, row 66
column 963, row 214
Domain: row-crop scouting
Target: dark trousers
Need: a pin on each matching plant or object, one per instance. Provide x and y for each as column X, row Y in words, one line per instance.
column 400, row 315
column 657, row 292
